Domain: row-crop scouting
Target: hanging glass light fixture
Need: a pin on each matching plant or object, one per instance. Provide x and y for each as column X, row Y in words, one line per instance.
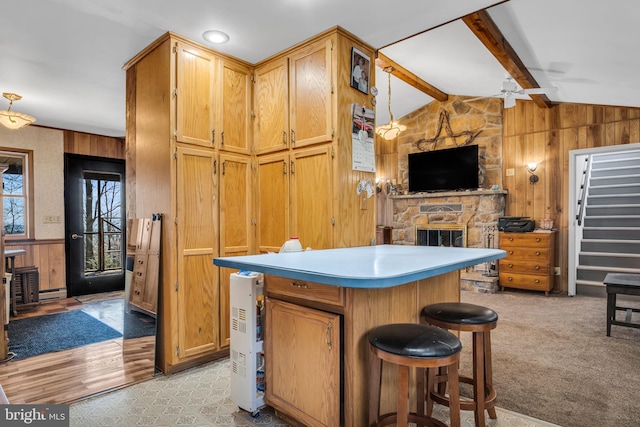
column 13, row 119
column 392, row 129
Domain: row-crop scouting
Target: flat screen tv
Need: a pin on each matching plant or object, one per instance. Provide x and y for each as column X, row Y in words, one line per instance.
column 444, row 170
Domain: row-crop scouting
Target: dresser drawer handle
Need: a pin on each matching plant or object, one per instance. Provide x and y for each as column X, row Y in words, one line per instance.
column 510, row 252
column 510, row 265
column 299, row 285
column 537, row 267
column 537, row 253
column 510, row 278
column 511, row 239
column 536, row 281
column 537, row 239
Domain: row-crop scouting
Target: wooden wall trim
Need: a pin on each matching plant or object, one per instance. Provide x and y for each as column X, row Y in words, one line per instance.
column 48, row 255
column 32, row 242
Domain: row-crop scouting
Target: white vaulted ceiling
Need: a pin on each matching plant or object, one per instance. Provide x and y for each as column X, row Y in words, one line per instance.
column 65, row 57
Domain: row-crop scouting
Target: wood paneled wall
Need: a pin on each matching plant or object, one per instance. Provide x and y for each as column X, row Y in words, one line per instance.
column 546, row 136
column 530, row 133
column 93, row 145
column 48, row 256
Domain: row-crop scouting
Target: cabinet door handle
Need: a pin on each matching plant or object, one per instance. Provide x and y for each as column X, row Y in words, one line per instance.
column 284, row 137
column 299, row 285
column 327, row 335
column 293, row 136
column 222, row 138
column 213, row 136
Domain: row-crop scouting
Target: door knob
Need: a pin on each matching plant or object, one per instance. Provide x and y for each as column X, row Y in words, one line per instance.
column 75, row 236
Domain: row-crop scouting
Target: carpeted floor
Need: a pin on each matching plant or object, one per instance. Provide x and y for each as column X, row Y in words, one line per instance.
column 44, row 334
column 553, row 361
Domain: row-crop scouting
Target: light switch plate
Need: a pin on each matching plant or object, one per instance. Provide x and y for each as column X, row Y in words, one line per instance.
column 51, row 219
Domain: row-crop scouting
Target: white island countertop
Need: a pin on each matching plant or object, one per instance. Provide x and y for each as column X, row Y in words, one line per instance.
column 380, row 266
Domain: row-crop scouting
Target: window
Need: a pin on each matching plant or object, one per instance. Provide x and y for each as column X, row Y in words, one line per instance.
column 15, row 193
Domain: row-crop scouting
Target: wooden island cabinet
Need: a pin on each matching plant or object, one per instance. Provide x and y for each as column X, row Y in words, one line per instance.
column 321, row 304
column 239, row 157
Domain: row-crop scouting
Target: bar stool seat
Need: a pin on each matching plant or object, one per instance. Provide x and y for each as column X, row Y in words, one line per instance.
column 479, row 321
column 410, row 345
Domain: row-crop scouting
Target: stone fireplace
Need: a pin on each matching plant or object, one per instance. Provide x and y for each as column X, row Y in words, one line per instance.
column 456, row 218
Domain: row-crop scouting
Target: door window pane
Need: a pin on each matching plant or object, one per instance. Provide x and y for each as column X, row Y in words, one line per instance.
column 102, row 201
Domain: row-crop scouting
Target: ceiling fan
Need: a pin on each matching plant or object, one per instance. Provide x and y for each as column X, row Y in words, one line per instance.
column 510, row 90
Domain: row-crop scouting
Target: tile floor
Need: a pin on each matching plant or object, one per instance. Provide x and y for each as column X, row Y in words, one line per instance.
column 200, row 397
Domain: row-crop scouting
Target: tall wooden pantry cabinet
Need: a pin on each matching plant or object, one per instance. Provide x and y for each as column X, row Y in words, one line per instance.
column 303, row 139
column 239, row 157
column 188, row 140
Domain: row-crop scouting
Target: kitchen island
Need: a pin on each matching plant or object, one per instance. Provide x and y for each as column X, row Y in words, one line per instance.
column 320, row 306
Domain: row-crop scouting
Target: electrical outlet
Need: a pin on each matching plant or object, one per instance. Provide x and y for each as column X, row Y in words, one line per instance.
column 556, row 271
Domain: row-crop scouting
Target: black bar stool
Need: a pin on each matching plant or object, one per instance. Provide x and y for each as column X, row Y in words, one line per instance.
column 423, row 347
column 479, row 321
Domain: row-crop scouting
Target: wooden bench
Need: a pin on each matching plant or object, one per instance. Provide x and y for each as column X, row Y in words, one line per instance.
column 618, row 283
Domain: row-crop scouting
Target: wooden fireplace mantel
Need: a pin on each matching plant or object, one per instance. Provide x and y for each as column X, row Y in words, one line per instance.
column 479, row 192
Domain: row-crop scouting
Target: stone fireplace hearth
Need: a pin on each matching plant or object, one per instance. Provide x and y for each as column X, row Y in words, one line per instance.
column 472, row 211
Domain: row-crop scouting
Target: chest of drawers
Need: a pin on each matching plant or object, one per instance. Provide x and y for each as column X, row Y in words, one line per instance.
column 529, row 263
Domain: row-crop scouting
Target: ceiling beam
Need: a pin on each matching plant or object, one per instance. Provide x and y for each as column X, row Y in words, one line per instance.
column 485, row 29
column 407, row 76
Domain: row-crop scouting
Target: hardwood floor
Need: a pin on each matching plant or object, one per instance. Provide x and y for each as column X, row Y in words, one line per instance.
column 70, row 375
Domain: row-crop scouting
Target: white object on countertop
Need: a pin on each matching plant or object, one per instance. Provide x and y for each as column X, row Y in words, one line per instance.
column 291, row 245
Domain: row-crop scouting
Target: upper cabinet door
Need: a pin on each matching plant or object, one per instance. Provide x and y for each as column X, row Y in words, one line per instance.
column 272, row 192
column 271, row 100
column 194, row 95
column 312, row 197
column 235, row 107
column 311, row 94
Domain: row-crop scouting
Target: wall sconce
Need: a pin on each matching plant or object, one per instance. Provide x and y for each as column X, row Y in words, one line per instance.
column 531, row 168
column 378, row 185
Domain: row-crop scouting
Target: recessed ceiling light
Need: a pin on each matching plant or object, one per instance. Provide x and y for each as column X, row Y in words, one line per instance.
column 215, row 36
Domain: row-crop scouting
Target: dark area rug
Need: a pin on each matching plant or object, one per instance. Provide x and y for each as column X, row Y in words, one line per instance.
column 55, row 332
column 138, row 325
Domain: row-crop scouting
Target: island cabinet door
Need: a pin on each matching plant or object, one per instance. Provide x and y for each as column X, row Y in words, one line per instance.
column 302, row 363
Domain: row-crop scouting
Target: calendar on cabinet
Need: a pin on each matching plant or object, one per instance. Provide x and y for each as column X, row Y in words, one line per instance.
column 363, row 155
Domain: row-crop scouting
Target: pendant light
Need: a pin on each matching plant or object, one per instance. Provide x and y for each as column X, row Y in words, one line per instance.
column 13, row 119
column 392, row 129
